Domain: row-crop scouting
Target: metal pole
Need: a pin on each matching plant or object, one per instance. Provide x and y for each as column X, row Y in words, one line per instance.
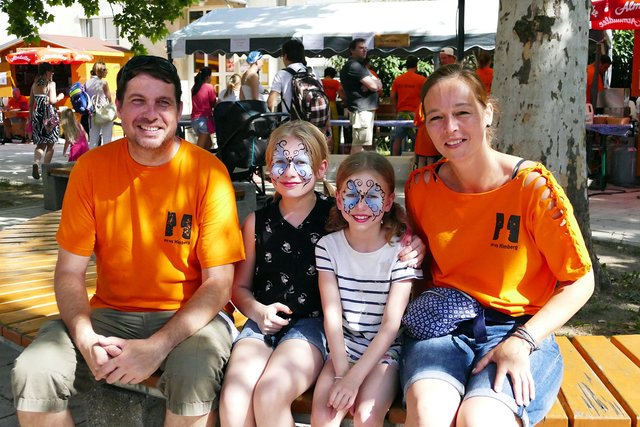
column 460, row 50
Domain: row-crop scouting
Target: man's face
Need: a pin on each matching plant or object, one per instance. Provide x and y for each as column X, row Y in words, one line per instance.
column 360, row 51
column 16, row 93
column 446, row 59
column 149, row 112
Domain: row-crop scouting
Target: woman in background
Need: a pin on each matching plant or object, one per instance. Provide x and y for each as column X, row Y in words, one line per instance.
column 203, row 99
column 98, row 90
column 232, row 91
column 42, row 96
column 251, row 87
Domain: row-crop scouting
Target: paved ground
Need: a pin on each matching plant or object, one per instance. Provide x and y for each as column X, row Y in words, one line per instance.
column 615, row 220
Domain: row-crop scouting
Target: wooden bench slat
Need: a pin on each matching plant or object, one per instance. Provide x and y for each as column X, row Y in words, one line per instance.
column 617, row 372
column 557, row 417
column 589, row 401
column 629, row 345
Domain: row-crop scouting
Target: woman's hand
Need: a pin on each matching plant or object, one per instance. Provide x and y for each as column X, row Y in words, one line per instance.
column 511, row 357
column 269, row 321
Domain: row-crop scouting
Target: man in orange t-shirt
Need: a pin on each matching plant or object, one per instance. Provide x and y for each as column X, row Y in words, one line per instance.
column 605, row 63
column 17, row 102
column 405, row 97
column 332, row 89
column 159, row 215
column 484, row 70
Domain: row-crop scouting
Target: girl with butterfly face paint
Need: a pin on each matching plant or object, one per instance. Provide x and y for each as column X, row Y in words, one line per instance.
column 276, row 287
column 364, row 303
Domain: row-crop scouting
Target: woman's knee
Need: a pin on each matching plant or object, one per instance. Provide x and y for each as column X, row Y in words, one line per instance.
column 432, row 402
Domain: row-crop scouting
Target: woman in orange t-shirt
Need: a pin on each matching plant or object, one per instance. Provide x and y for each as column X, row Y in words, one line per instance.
column 509, row 267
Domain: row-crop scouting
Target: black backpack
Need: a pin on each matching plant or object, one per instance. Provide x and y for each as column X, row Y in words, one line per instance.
column 308, row 100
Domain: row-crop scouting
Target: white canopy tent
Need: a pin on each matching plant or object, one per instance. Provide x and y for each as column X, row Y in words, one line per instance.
column 397, row 28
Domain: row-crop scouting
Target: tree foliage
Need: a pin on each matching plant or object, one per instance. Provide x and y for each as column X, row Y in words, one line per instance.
column 138, row 18
column 622, row 60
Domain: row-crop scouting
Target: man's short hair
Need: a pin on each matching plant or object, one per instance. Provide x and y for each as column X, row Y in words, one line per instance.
column 355, row 42
column 155, row 66
column 412, row 61
column 294, row 49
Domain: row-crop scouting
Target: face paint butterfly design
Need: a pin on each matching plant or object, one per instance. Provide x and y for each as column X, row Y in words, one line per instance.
column 298, row 158
column 371, row 192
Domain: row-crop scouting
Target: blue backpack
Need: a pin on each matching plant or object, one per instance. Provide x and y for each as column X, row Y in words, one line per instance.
column 80, row 99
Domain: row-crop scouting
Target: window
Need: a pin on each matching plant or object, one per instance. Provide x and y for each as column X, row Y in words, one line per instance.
column 101, row 28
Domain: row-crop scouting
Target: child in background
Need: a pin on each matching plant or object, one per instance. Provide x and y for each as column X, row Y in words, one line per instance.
column 75, row 137
column 232, row 91
column 365, row 289
column 282, row 347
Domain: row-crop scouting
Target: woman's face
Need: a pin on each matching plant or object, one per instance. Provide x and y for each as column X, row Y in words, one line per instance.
column 455, row 120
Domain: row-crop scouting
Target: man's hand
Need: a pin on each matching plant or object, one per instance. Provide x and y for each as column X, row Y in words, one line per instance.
column 96, row 356
column 132, row 361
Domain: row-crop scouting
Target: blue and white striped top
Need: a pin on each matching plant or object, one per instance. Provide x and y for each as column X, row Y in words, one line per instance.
column 364, row 282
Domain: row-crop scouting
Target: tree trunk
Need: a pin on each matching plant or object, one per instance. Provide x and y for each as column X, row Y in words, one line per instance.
column 539, row 82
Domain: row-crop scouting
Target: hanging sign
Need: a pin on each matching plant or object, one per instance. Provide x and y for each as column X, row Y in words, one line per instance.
column 392, row 40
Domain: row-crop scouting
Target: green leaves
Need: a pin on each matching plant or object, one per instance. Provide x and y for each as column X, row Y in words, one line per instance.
column 138, row 19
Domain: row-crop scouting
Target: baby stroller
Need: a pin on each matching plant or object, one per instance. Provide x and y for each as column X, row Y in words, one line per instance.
column 242, row 130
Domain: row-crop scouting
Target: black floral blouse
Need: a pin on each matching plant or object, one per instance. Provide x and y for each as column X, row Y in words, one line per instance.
column 285, row 258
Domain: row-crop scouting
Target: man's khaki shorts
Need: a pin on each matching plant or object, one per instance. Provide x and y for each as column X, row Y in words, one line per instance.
column 362, row 127
column 51, row 370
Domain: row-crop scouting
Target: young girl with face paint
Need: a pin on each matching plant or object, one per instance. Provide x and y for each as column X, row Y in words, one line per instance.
column 282, row 347
column 365, row 289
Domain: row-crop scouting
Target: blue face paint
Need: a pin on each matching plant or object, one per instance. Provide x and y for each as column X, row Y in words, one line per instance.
column 371, row 192
column 298, row 158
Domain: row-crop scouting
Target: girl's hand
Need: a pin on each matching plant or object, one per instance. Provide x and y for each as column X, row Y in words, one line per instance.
column 270, row 322
column 343, row 393
column 511, row 358
column 413, row 250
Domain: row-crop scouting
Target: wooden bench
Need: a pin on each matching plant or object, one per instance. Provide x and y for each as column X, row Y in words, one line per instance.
column 599, row 388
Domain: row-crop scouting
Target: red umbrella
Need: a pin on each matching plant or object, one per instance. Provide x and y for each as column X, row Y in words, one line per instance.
column 51, row 55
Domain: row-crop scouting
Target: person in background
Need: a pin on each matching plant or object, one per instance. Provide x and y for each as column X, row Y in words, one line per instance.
column 43, row 95
column 405, row 98
column 98, row 90
column 75, row 138
column 605, row 63
column 425, row 151
column 364, row 289
column 506, row 250
column 251, row 87
column 203, row 99
column 17, row 102
column 232, row 92
column 159, row 216
column 484, row 70
column 361, row 92
column 293, row 58
column 333, row 89
column 447, row 56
